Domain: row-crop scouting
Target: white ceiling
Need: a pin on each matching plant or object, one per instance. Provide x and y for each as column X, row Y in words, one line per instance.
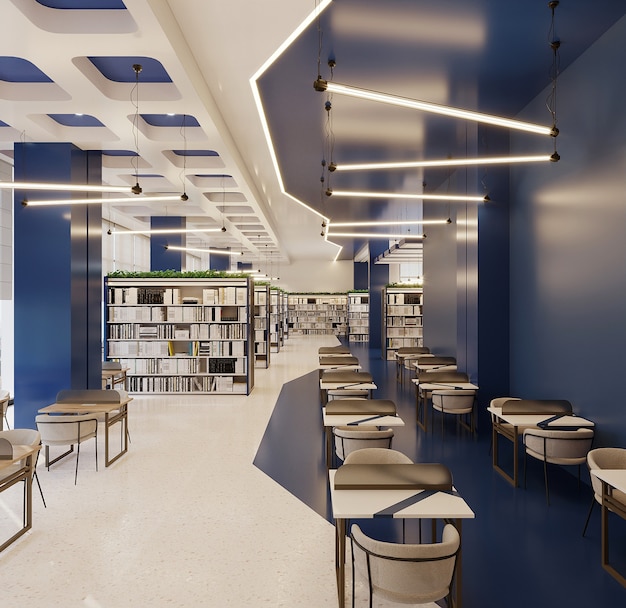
column 210, row 50
column 483, row 54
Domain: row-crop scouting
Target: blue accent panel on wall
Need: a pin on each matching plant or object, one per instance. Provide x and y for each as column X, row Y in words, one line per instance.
column 568, row 246
column 165, row 120
column 44, row 349
column 86, row 276
column 378, row 277
column 493, row 281
column 83, row 4
column 361, row 275
column 219, row 262
column 440, row 306
column 161, row 258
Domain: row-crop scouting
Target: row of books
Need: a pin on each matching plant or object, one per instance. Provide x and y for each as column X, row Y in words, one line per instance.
column 186, row 384
column 404, row 310
column 404, row 298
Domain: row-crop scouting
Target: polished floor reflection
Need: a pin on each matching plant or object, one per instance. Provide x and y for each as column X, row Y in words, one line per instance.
column 222, row 501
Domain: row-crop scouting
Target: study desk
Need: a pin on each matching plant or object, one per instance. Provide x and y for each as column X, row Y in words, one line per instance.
column 112, row 377
column 114, row 412
column 408, row 353
column 509, row 425
column 345, row 380
column 423, row 391
column 373, row 503
column 27, row 453
column 369, row 415
column 339, row 363
column 612, row 479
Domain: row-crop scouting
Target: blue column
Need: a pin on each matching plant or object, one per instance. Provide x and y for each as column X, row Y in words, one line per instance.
column 361, row 275
column 161, row 258
column 58, row 274
column 378, row 277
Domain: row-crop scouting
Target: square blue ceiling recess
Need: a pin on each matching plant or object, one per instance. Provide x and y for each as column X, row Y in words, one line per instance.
column 119, row 153
column 170, row 120
column 120, row 69
column 82, row 5
column 16, row 69
column 195, row 152
column 76, row 120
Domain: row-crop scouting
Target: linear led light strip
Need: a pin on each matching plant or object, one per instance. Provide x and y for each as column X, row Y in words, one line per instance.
column 448, row 162
column 385, row 223
column 431, row 197
column 375, row 235
column 164, row 231
column 217, row 251
column 62, row 187
column 94, row 201
column 433, row 108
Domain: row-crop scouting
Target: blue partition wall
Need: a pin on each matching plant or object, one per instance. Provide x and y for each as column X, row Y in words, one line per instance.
column 57, row 280
column 568, row 246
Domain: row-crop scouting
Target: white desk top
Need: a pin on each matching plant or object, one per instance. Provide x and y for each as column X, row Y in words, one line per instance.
column 365, row 504
column 333, row 386
column 360, row 420
column 616, row 478
column 535, row 419
column 19, row 453
column 339, row 367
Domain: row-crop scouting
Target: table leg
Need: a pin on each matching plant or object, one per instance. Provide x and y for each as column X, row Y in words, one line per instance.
column 329, row 453
column 494, row 456
column 340, row 560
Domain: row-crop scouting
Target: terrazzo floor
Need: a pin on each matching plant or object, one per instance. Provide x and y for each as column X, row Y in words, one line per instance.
column 183, row 519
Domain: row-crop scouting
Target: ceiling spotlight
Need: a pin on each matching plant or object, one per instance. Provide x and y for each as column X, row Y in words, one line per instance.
column 223, row 228
column 184, row 197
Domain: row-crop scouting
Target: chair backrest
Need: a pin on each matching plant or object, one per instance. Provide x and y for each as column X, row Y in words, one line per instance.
column 454, row 401
column 407, row 573
column 558, row 446
column 349, row 439
column 537, row 406
column 605, row 458
column 377, row 456
column 443, row 376
column 111, row 365
column 413, row 350
column 91, row 396
column 499, row 401
column 30, row 437
column 66, row 429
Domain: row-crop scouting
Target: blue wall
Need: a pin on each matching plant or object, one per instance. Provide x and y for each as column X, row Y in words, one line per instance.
column 568, row 245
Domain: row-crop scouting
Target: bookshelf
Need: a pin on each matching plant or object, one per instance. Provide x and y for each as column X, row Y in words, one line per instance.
column 402, row 319
column 262, row 325
column 318, row 314
column 358, row 317
column 285, row 314
column 181, row 335
column 275, row 321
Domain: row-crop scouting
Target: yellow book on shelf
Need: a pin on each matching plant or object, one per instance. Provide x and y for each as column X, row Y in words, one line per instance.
column 170, row 348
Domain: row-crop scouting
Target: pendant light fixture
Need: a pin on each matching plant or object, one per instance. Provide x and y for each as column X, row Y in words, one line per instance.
column 322, row 85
